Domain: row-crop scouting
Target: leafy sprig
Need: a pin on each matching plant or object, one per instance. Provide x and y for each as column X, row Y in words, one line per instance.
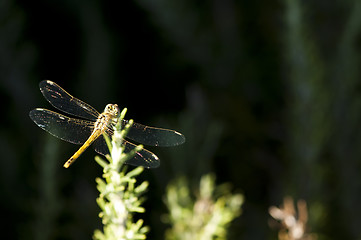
column 120, row 196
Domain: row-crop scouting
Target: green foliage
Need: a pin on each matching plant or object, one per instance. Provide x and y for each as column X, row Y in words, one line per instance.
column 205, row 217
column 308, row 98
column 308, row 110
column 323, row 115
column 120, row 197
column 48, row 205
column 346, row 141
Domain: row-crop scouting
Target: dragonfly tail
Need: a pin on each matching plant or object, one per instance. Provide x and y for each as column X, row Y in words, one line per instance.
column 87, row 143
column 69, row 162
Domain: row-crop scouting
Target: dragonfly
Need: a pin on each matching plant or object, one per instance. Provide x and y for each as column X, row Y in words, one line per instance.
column 89, row 129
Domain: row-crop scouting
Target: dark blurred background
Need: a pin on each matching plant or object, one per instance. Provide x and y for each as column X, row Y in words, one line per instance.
column 267, row 94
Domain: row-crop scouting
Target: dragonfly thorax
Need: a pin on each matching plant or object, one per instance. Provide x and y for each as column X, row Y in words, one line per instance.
column 108, row 118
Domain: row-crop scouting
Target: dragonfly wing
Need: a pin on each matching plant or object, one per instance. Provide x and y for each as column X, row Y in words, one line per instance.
column 154, row 136
column 142, row 158
column 100, row 146
column 68, row 129
column 65, row 102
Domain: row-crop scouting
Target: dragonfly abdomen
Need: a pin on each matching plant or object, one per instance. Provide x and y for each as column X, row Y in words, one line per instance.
column 99, row 128
column 96, row 133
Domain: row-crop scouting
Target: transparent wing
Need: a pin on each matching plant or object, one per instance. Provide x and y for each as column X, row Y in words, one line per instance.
column 154, row 136
column 77, row 131
column 142, row 158
column 65, row 102
column 72, row 130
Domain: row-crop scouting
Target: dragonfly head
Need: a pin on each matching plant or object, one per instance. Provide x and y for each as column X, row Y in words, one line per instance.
column 112, row 109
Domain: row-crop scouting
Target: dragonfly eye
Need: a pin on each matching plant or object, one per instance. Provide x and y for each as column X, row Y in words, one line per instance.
column 108, row 108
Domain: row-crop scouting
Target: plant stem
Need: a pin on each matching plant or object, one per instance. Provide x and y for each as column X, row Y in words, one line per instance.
column 120, row 197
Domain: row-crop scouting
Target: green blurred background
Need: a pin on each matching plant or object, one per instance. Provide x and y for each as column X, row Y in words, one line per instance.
column 267, row 94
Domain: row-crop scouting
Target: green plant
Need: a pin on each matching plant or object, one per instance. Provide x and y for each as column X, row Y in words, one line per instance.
column 206, row 216
column 120, row 197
